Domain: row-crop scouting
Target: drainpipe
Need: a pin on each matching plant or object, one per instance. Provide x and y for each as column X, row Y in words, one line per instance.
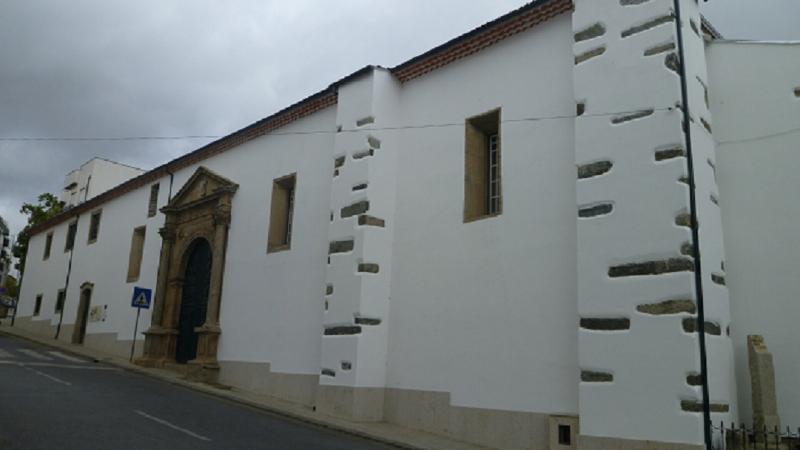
column 66, row 281
column 171, row 177
column 698, row 273
column 19, row 284
column 86, row 191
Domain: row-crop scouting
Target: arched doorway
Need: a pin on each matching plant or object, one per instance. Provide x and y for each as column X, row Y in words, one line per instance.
column 79, row 332
column 184, row 323
column 194, row 298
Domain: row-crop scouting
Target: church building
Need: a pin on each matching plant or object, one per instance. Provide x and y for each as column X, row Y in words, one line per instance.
column 555, row 231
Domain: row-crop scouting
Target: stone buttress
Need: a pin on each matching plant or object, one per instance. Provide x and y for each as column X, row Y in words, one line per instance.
column 356, row 298
column 638, row 341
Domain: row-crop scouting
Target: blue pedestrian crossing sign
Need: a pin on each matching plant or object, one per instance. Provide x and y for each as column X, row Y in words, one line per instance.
column 141, row 298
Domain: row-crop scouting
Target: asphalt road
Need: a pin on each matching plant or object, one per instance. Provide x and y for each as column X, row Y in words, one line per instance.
column 53, row 400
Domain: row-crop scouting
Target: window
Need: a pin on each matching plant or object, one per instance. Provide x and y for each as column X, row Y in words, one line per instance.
column 71, row 231
column 152, row 206
column 482, row 169
column 135, row 256
column 37, row 307
column 94, row 226
column 564, row 435
column 60, row 297
column 48, row 243
column 281, row 212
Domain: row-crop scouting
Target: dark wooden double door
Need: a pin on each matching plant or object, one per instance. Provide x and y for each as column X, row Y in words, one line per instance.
column 194, row 299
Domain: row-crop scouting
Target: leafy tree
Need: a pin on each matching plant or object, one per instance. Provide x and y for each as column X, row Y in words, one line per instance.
column 47, row 207
column 11, row 286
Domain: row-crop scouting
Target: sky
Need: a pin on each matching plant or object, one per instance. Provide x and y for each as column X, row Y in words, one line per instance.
column 97, row 68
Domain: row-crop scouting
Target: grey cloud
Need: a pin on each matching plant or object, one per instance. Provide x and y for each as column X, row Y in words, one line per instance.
column 96, row 68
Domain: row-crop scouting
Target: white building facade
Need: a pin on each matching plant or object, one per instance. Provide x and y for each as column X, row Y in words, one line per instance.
column 413, row 245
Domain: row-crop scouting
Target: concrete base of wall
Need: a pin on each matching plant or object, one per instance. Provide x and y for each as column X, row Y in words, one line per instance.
column 104, row 342
column 37, row 327
column 359, row 404
column 603, row 443
column 432, row 412
column 108, row 343
column 259, row 378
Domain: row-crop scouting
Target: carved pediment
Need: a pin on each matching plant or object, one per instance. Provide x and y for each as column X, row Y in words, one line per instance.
column 203, row 185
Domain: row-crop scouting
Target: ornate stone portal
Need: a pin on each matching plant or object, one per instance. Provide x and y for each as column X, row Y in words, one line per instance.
column 200, row 210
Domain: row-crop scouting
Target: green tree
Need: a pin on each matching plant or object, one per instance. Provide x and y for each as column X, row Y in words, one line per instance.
column 48, row 206
column 11, row 286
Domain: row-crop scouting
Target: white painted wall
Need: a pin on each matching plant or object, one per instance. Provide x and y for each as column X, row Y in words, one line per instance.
column 486, row 310
column 716, row 301
column 271, row 303
column 650, row 361
column 758, row 161
column 103, row 263
column 375, row 95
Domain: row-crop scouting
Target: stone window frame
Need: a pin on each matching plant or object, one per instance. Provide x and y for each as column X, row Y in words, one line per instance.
column 478, row 131
column 37, row 305
column 281, row 217
column 152, row 202
column 136, row 253
column 72, row 233
column 48, row 246
column 94, row 226
column 61, row 298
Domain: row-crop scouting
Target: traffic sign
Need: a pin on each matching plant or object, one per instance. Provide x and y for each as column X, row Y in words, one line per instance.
column 141, row 298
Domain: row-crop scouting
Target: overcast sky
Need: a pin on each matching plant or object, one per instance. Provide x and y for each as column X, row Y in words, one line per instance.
column 99, row 68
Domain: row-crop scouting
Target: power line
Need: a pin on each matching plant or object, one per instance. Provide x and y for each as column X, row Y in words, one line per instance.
column 396, row 128
column 122, row 138
column 758, row 138
column 288, row 133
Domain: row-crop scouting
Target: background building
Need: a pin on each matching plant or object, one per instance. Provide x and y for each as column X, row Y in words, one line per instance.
column 94, row 177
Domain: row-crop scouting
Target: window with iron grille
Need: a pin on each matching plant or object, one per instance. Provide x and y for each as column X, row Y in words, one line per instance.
column 37, row 307
column 482, row 167
column 135, row 255
column 60, row 297
column 279, row 236
column 48, row 243
column 71, row 231
column 152, row 205
column 493, row 181
column 94, row 226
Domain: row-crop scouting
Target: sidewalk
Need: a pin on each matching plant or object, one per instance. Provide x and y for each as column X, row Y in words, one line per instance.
column 383, row 432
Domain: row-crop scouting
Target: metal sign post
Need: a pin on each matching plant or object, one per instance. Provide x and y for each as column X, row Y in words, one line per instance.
column 140, row 300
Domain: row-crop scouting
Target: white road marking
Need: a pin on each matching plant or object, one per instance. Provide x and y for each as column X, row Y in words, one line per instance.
column 34, row 354
column 174, row 427
column 70, row 366
column 5, row 354
column 57, row 380
column 66, row 357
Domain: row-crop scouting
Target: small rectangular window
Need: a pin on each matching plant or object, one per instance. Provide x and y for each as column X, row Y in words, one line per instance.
column 37, row 307
column 152, row 206
column 71, row 231
column 60, row 297
column 564, row 435
column 48, row 243
column 94, row 226
column 482, row 167
column 281, row 214
column 135, row 256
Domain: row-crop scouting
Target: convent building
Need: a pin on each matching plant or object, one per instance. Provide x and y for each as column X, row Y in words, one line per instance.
column 556, row 230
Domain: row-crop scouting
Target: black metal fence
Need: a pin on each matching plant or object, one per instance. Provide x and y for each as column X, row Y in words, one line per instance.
column 740, row 437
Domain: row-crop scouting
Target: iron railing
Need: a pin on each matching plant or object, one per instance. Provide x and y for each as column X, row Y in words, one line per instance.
column 740, row 437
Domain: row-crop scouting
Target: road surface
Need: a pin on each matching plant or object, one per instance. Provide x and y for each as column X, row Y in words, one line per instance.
column 53, row 400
